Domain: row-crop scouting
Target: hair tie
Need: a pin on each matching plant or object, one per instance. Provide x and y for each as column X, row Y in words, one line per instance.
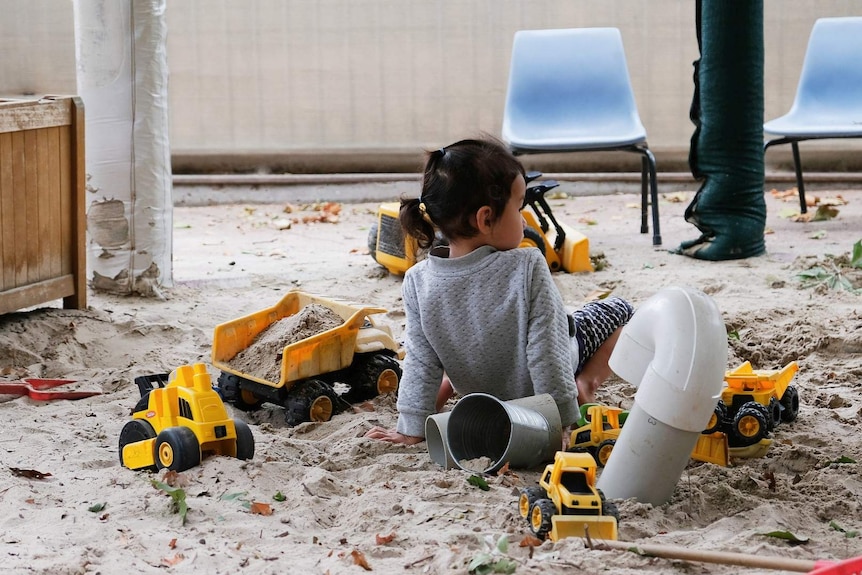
column 442, row 151
column 422, row 208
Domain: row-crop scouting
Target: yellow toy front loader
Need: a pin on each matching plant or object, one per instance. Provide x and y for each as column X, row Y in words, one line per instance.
column 566, row 502
column 179, row 420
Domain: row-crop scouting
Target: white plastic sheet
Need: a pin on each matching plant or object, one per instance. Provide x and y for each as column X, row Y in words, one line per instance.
column 122, row 78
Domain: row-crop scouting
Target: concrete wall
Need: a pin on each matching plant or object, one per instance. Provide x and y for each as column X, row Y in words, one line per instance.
column 355, row 85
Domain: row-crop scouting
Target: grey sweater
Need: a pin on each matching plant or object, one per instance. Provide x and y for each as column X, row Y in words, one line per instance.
column 494, row 322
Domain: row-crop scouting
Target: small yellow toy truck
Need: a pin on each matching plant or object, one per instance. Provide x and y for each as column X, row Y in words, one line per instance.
column 359, row 353
column 599, row 429
column 753, row 402
column 176, row 424
column 566, row 502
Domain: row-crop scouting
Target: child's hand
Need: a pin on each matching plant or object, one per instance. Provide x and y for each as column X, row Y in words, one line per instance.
column 392, row 436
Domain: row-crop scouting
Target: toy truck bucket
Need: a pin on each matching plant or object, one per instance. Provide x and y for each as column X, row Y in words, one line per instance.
column 746, row 378
column 712, row 448
column 602, row 527
column 322, row 353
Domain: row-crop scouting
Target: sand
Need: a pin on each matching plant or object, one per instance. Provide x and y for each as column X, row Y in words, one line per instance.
column 262, row 358
column 320, row 498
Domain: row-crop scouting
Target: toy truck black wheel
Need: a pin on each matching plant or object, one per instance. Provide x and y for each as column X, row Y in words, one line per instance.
column 541, row 516
column 371, row 375
column 750, row 423
column 603, row 451
column 610, row 510
column 310, row 400
column 134, row 431
column 244, row 440
column 529, row 495
column 774, row 410
column 718, row 417
column 532, row 239
column 789, row 404
column 177, row 449
column 233, row 393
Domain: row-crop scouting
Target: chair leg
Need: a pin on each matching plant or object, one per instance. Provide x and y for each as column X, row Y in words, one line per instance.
column 644, row 196
column 649, row 158
column 800, row 186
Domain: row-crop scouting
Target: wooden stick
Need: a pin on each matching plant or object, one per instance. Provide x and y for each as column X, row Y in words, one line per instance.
column 722, row 557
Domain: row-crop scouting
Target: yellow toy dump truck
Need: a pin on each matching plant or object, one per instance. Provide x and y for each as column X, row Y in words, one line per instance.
column 359, row 354
column 563, row 247
column 176, row 424
column 753, row 402
column 566, row 502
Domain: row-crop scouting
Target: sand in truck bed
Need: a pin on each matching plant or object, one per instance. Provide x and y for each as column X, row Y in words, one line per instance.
column 263, row 357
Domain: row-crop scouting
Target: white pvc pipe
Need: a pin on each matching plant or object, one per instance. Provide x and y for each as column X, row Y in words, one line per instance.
column 674, row 350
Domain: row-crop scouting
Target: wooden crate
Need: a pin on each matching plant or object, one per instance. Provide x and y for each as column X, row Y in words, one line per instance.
column 42, row 213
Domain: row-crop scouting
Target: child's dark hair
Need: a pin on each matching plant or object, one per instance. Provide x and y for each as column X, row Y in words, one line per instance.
column 458, row 180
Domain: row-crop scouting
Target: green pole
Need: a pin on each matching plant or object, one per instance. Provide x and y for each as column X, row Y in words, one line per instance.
column 726, row 153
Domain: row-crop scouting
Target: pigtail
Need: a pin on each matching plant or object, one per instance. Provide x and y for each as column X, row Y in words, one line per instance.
column 415, row 222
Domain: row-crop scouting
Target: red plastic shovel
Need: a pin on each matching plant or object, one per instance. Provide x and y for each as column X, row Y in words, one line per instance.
column 39, row 389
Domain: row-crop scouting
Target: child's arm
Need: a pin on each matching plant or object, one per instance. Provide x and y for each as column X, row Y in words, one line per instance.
column 549, row 345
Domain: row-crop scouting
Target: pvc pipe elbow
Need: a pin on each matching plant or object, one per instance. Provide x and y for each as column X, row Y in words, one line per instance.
column 674, row 350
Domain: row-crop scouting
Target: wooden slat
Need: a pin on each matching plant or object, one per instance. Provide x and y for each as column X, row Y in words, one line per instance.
column 51, row 263
column 7, row 215
column 67, row 241
column 19, row 205
column 40, row 292
column 18, row 116
column 30, row 242
column 78, row 177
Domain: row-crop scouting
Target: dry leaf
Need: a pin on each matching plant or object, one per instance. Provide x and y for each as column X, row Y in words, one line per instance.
column 176, row 479
column 173, row 543
column 821, row 214
column 530, row 541
column 359, row 559
column 258, row 508
column 676, row 197
column 504, row 470
column 838, row 200
column 171, row 561
column 598, row 294
column 29, row 473
column 384, row 539
column 786, row 195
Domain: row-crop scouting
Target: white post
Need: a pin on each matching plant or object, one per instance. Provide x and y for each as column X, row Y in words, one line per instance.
column 122, row 78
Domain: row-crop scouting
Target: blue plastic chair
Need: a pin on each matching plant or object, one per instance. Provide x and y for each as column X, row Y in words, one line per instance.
column 569, row 91
column 828, row 101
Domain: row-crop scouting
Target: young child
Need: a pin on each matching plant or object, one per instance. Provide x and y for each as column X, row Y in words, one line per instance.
column 486, row 317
